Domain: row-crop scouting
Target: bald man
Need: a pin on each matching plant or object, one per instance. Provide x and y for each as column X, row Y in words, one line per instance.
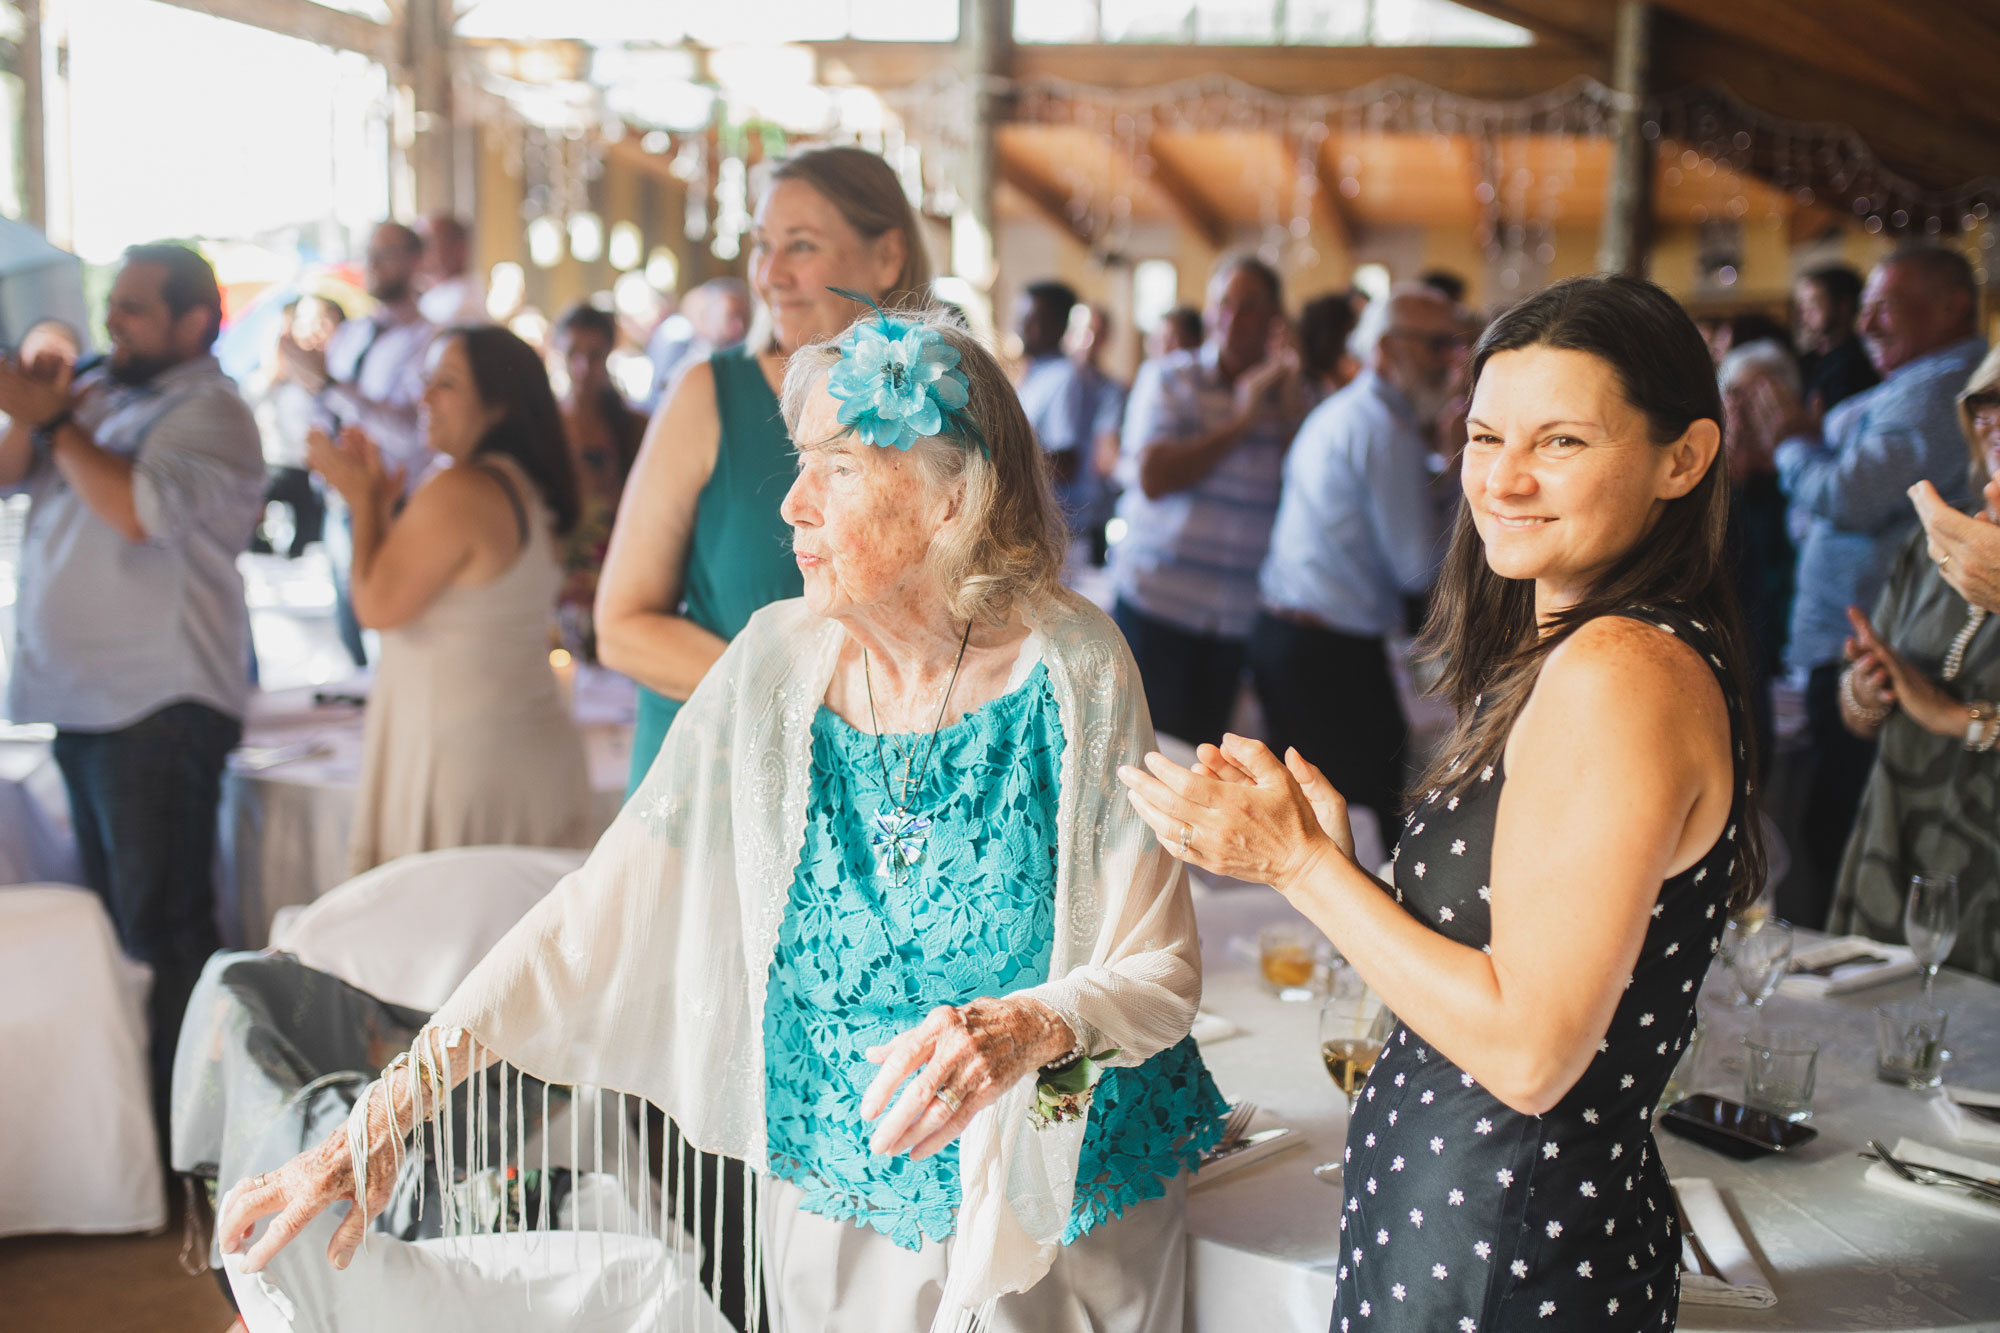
column 1356, row 533
column 1848, row 480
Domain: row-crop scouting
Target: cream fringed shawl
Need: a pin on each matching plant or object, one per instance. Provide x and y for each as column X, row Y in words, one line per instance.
column 645, row 971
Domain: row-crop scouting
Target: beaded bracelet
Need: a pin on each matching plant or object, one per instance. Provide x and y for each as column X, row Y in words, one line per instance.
column 1873, row 717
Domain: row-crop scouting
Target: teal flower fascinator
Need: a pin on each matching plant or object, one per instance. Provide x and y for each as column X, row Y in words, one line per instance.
column 899, row 382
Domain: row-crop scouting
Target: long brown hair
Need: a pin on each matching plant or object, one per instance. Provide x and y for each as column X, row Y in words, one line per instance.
column 1482, row 627
column 509, row 375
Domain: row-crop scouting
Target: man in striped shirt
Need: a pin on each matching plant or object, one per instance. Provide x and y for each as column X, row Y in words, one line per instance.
column 1203, row 459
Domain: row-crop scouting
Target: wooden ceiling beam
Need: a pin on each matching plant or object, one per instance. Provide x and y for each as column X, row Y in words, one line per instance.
column 1931, row 149
column 303, row 19
column 1297, row 71
column 1941, row 62
column 1185, row 197
column 1047, row 201
column 1330, row 207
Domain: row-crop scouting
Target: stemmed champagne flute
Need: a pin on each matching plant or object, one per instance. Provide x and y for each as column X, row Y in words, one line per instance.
column 1354, row 1025
column 1930, row 923
column 1759, row 955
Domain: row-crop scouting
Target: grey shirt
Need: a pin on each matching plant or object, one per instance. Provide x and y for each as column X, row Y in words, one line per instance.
column 109, row 631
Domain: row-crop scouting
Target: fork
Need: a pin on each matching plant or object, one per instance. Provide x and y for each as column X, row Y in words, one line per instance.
column 1235, row 1126
column 1908, row 1171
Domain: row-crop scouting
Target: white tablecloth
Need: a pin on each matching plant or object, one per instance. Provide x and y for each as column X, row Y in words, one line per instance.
column 1840, row 1254
column 36, row 845
column 284, row 827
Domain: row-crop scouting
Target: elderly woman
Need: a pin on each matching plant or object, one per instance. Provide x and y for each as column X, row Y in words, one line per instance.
column 1923, row 684
column 879, row 874
column 1564, row 878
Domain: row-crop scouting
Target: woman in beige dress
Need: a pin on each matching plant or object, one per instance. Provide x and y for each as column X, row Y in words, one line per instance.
column 469, row 741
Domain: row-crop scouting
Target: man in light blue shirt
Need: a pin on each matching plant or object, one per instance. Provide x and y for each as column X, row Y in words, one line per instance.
column 1203, row 458
column 1054, row 396
column 1847, row 482
column 1356, row 532
column 146, row 477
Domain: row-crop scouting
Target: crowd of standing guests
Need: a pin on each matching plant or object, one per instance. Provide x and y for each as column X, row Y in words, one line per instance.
column 1268, row 501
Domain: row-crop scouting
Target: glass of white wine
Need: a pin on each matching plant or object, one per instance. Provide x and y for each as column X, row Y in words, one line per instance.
column 1354, row 1025
column 1930, row 923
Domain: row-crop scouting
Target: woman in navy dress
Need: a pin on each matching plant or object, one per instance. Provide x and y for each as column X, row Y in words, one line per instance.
column 1563, row 878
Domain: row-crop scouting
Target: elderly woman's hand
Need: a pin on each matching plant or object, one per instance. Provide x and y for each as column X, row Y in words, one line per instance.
column 963, row 1059
column 1967, row 549
column 1256, row 819
column 1920, row 698
column 302, row 1188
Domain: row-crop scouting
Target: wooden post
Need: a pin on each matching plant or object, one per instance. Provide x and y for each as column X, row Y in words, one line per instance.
column 424, row 60
column 986, row 51
column 1628, row 202
column 34, row 128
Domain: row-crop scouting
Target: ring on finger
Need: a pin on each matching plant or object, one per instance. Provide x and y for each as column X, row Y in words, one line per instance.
column 1187, row 836
column 1945, row 560
column 950, row 1099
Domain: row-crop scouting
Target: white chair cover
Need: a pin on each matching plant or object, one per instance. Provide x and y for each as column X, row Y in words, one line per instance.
column 408, row 932
column 77, row 1147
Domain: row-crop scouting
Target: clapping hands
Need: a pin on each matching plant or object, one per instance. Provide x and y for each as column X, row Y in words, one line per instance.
column 353, row 466
column 1246, row 815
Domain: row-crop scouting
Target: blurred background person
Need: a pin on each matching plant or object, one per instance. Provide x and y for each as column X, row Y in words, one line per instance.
column 1325, row 363
column 1180, row 330
column 1059, row 404
column 453, row 295
column 469, row 741
column 1356, row 533
column 1205, row 437
column 604, row 434
column 370, row 373
column 1846, row 478
column 1762, row 557
column 1923, row 684
column 711, row 317
column 144, row 479
column 1451, row 286
column 286, row 409
column 1089, row 334
column 1833, row 364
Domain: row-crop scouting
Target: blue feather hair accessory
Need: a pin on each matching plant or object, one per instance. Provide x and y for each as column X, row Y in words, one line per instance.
column 899, row 382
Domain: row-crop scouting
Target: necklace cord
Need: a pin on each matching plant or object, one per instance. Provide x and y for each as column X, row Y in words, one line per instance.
column 930, row 746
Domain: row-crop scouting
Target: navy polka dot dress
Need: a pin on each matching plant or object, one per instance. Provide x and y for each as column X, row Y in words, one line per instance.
column 1464, row 1216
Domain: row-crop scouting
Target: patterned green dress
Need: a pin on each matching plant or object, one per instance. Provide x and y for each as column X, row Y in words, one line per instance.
column 1931, row 806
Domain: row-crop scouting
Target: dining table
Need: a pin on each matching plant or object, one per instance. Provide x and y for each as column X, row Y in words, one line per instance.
column 1839, row 1251
column 288, row 793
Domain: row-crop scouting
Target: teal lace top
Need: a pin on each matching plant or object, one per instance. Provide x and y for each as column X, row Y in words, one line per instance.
column 860, row 959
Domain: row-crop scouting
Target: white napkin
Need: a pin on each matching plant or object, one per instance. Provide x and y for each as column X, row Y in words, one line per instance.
column 1211, row 1028
column 1708, row 1217
column 1855, row 976
column 1881, row 1175
column 1965, row 1126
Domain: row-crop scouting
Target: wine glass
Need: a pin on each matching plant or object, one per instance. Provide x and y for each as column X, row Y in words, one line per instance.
column 1759, row 957
column 1930, row 923
column 1354, row 1025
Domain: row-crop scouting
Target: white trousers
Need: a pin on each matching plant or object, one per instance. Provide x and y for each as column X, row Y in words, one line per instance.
column 823, row 1276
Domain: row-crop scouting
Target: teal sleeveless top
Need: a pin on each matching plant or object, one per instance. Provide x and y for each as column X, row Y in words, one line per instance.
column 740, row 558
column 861, row 957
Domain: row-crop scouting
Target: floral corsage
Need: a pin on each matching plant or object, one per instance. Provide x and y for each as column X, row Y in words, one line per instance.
column 899, row 382
column 1062, row 1092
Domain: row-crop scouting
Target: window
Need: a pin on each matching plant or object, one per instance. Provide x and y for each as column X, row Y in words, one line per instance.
column 1263, row 22
column 1156, row 289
